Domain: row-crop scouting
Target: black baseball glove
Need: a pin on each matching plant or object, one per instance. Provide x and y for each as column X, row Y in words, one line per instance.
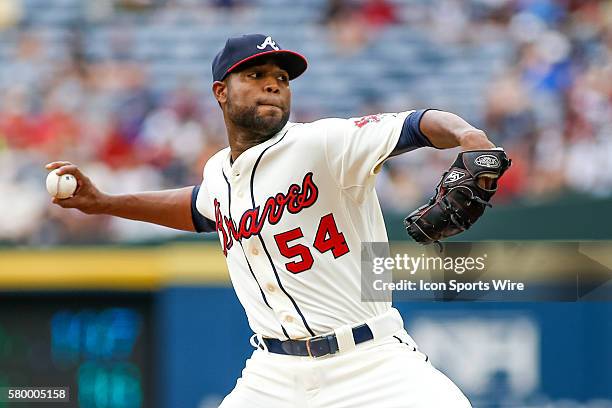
column 461, row 196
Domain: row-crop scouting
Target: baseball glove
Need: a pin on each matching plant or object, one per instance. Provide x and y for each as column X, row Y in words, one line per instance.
column 461, row 196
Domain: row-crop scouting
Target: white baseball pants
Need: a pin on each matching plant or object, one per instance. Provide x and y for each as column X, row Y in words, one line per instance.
column 381, row 373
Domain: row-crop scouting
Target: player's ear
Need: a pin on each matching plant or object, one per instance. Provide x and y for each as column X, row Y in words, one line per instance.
column 219, row 89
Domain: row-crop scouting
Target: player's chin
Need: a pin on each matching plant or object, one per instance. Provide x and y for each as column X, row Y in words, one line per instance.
column 270, row 114
column 270, row 124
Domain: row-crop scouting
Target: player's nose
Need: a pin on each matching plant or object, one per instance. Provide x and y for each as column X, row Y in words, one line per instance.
column 272, row 87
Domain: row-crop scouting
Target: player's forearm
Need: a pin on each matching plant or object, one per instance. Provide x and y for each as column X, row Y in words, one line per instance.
column 170, row 208
column 446, row 130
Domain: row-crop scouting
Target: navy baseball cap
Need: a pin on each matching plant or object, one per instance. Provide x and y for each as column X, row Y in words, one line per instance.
column 239, row 50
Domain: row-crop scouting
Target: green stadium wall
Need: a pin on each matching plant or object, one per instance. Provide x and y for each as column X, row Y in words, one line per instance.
column 573, row 218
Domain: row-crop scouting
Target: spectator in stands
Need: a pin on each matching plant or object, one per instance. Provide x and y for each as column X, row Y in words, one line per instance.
column 509, row 116
column 228, row 4
column 10, row 13
column 345, row 23
column 379, row 13
column 335, row 10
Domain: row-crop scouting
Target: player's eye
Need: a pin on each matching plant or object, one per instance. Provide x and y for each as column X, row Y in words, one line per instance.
column 284, row 78
column 255, row 74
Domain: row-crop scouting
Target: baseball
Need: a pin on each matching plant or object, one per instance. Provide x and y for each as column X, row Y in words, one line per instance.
column 61, row 186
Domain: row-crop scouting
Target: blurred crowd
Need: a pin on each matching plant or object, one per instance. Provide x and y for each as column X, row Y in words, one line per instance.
column 549, row 105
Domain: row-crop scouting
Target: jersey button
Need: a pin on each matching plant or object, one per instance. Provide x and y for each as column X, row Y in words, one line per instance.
column 289, row 319
column 240, row 194
column 255, row 251
column 270, row 287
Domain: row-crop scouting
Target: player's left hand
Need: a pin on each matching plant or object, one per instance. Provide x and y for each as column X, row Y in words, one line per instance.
column 461, row 196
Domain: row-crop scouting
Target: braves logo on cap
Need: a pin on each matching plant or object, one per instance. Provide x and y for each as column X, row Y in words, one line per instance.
column 268, row 42
column 241, row 49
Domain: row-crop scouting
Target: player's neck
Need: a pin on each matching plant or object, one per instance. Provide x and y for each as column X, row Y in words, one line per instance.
column 241, row 139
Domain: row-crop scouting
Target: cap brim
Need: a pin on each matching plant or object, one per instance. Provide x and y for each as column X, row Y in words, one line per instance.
column 294, row 63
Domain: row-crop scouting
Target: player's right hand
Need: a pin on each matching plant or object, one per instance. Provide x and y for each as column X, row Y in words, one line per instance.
column 87, row 198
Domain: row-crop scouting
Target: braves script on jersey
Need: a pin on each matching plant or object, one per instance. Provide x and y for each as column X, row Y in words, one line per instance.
column 291, row 214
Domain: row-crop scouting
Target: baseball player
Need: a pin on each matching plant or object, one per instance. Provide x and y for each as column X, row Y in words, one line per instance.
column 291, row 203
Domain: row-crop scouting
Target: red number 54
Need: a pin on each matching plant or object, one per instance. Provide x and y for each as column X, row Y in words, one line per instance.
column 328, row 238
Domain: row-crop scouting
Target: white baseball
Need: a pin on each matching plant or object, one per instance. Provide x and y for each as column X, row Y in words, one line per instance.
column 61, row 186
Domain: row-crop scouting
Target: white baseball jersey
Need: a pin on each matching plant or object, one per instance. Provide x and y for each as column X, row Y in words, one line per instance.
column 291, row 214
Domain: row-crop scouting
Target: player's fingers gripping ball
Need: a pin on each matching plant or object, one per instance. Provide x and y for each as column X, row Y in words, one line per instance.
column 61, row 187
column 461, row 196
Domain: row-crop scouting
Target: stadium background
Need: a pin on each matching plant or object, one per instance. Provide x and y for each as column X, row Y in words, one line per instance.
column 134, row 315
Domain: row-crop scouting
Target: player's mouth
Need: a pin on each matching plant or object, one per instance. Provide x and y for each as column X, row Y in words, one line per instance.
column 270, row 103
